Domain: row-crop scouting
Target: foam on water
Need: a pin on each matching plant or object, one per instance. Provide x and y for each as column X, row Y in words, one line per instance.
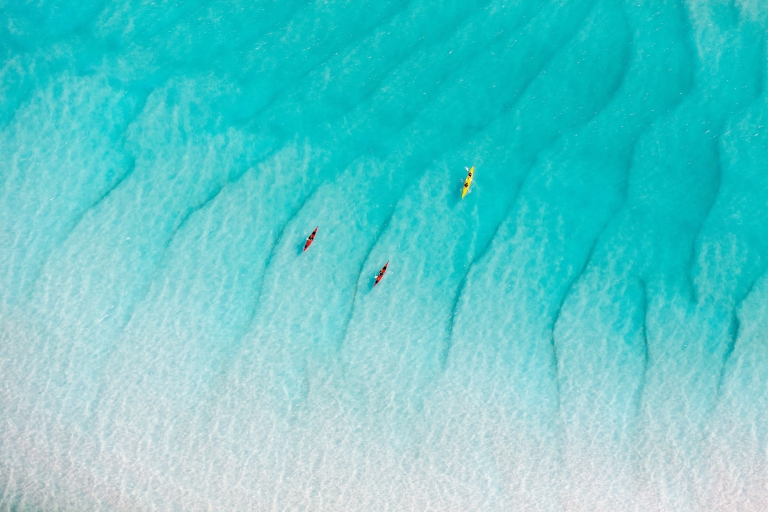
column 584, row 331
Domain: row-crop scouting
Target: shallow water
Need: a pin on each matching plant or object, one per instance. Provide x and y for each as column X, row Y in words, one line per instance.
column 585, row 331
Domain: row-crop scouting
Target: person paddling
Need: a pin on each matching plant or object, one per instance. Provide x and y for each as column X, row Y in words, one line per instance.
column 381, row 274
column 310, row 239
column 468, row 181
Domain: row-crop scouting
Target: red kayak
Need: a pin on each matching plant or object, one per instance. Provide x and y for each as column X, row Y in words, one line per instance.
column 310, row 239
column 381, row 274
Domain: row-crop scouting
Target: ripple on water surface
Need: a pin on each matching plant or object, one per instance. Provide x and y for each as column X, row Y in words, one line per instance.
column 584, row 331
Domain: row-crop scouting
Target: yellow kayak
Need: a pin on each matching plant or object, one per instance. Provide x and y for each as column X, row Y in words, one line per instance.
column 467, row 182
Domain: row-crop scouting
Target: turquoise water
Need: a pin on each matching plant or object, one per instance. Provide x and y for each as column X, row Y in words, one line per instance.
column 585, row 331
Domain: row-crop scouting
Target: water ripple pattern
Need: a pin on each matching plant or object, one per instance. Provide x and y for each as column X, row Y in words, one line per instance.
column 586, row 331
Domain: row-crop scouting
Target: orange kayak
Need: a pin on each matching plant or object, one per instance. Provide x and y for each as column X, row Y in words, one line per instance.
column 310, row 239
column 381, row 273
